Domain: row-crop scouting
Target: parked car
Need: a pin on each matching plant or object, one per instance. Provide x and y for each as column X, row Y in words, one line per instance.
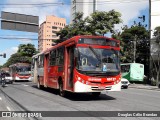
column 124, row 83
column 8, row 78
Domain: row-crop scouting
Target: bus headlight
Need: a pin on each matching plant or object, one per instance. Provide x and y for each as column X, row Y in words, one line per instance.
column 82, row 81
column 79, row 78
column 86, row 82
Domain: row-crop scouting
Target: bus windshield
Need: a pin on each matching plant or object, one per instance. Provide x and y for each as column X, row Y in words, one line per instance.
column 24, row 69
column 125, row 68
column 95, row 59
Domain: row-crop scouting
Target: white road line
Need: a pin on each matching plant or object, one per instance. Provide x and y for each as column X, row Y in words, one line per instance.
column 25, row 85
column 8, row 108
column 0, row 98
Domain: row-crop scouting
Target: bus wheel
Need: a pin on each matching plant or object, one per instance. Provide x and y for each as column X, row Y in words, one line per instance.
column 96, row 94
column 61, row 91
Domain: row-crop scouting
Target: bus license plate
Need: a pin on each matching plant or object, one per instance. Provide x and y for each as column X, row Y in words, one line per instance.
column 101, row 87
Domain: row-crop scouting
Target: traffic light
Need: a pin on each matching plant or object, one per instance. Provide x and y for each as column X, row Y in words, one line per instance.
column 4, row 55
column 143, row 18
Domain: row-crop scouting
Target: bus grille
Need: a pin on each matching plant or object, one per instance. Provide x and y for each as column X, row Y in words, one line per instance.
column 102, row 83
column 97, row 88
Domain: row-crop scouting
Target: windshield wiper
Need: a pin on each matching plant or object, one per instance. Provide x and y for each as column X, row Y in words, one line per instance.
column 95, row 53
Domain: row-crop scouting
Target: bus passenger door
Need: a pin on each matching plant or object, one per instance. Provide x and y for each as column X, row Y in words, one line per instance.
column 46, row 61
column 70, row 66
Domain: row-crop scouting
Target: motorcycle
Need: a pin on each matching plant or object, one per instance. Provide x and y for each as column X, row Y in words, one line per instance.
column 3, row 82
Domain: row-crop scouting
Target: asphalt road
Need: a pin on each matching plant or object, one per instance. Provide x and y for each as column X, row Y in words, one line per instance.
column 27, row 97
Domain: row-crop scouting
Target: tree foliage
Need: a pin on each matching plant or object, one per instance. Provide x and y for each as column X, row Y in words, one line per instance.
column 103, row 22
column 156, row 31
column 139, row 34
column 27, row 50
column 98, row 23
column 24, row 54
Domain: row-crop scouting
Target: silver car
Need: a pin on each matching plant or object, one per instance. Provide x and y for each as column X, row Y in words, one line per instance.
column 124, row 83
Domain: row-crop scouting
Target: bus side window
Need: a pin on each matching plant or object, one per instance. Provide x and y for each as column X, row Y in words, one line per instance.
column 41, row 60
column 60, row 56
column 53, row 58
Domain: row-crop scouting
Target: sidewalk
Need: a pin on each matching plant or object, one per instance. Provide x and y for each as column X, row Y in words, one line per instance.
column 144, row 86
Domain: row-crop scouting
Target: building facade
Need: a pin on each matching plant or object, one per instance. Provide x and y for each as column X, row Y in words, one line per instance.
column 48, row 30
column 154, row 41
column 155, row 15
column 85, row 6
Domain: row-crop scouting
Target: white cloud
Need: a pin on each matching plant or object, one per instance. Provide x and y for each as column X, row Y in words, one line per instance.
column 130, row 9
column 57, row 10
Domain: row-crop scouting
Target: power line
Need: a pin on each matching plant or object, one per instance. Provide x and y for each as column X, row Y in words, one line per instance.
column 37, row 4
column 16, row 35
column 61, row 3
column 24, row 39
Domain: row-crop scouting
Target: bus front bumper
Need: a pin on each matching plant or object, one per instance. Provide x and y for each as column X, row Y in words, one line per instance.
column 80, row 87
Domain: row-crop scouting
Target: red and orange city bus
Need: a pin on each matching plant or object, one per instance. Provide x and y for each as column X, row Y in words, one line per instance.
column 20, row 71
column 80, row 64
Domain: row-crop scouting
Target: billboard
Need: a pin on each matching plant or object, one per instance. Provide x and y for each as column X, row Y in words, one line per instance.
column 19, row 22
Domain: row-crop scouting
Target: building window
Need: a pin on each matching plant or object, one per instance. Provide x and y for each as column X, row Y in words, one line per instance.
column 54, row 27
column 54, row 36
column 54, row 31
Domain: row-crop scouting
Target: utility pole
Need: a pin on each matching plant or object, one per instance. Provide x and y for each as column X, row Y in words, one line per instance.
column 94, row 6
column 134, row 54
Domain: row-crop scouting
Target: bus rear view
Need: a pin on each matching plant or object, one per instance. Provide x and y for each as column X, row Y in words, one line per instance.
column 134, row 72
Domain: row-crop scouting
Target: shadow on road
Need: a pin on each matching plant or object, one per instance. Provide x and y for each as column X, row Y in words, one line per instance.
column 87, row 97
column 77, row 96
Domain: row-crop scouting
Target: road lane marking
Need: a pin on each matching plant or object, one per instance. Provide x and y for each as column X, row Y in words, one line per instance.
column 0, row 98
column 25, row 85
column 8, row 108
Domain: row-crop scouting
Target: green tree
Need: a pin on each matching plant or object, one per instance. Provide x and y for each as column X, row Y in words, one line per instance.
column 27, row 50
column 103, row 22
column 155, row 56
column 156, row 31
column 1, row 66
column 128, row 36
column 78, row 27
column 99, row 23
column 24, row 54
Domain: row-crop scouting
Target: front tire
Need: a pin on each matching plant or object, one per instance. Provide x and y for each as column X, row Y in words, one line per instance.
column 125, row 87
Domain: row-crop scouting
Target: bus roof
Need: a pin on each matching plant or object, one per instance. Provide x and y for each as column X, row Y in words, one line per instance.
column 34, row 56
column 19, row 64
column 131, row 63
column 70, row 41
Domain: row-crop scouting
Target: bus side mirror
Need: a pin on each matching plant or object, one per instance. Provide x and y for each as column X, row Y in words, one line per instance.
column 76, row 52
